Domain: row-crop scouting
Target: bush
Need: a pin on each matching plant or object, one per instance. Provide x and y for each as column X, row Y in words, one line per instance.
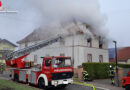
column 2, row 67
column 100, row 70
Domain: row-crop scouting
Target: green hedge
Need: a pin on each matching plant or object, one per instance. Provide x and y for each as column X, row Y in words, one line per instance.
column 100, row 70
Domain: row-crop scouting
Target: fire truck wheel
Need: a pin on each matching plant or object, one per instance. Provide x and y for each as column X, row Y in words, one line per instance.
column 127, row 87
column 16, row 78
column 41, row 84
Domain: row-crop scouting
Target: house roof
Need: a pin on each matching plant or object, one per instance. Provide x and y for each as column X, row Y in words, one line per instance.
column 6, row 41
column 37, row 35
column 123, row 53
column 40, row 34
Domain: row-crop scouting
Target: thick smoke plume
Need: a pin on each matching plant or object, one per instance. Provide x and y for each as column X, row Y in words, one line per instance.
column 62, row 14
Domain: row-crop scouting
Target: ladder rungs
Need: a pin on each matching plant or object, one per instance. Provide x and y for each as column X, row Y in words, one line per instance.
column 29, row 49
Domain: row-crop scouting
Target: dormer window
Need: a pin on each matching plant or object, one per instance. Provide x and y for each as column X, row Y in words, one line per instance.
column 100, row 46
column 100, row 42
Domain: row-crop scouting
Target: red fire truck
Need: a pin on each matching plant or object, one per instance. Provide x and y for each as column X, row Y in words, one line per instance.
column 126, row 81
column 54, row 71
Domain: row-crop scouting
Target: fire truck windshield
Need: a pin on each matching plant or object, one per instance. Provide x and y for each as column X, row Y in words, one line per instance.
column 61, row 62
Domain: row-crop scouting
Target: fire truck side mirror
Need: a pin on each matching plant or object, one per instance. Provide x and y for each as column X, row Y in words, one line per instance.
column 128, row 73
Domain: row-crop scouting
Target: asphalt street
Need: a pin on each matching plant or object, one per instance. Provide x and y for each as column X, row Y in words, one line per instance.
column 76, row 87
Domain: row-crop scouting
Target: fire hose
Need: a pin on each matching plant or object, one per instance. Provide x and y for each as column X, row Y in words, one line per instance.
column 90, row 85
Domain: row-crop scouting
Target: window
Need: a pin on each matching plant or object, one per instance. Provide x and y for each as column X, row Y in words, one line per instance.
column 26, row 44
column 62, row 62
column 100, row 46
column 62, row 41
column 1, row 55
column 47, row 55
column 100, row 58
column 47, row 63
column 89, row 42
column 100, row 42
column 5, row 48
column 62, row 54
column 43, row 63
column 89, row 57
column 35, row 58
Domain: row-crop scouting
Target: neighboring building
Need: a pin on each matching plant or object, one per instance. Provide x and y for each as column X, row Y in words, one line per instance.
column 5, row 46
column 123, row 55
column 80, row 46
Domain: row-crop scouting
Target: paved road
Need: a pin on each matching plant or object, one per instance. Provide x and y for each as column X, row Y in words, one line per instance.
column 76, row 87
column 79, row 87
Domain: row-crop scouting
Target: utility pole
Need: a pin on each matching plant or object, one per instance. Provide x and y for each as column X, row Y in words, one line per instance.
column 116, row 75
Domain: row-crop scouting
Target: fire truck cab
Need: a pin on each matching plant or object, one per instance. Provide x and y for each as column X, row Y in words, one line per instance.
column 126, row 81
column 54, row 71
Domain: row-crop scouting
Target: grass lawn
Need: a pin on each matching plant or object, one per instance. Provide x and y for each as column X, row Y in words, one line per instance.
column 10, row 85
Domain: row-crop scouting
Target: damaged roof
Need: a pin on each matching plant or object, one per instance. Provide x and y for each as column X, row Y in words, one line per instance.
column 36, row 35
column 40, row 34
column 6, row 41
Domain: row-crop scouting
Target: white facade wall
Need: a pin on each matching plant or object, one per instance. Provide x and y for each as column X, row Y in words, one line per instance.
column 80, row 50
column 128, row 61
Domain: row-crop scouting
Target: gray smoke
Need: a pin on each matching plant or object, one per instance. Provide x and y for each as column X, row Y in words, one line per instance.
column 62, row 14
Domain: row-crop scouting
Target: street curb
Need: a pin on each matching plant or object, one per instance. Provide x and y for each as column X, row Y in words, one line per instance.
column 90, row 85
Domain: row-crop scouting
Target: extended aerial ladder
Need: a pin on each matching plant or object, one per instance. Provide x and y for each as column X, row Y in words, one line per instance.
column 14, row 59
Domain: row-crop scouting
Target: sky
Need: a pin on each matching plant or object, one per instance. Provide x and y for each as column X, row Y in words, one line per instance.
column 15, row 26
column 118, row 20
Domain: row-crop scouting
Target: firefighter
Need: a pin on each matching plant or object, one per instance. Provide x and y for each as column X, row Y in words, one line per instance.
column 112, row 74
column 85, row 75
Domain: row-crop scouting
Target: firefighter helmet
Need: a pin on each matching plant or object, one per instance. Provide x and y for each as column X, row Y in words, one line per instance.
column 110, row 66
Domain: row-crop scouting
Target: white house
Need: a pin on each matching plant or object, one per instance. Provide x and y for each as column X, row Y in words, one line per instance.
column 81, row 46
